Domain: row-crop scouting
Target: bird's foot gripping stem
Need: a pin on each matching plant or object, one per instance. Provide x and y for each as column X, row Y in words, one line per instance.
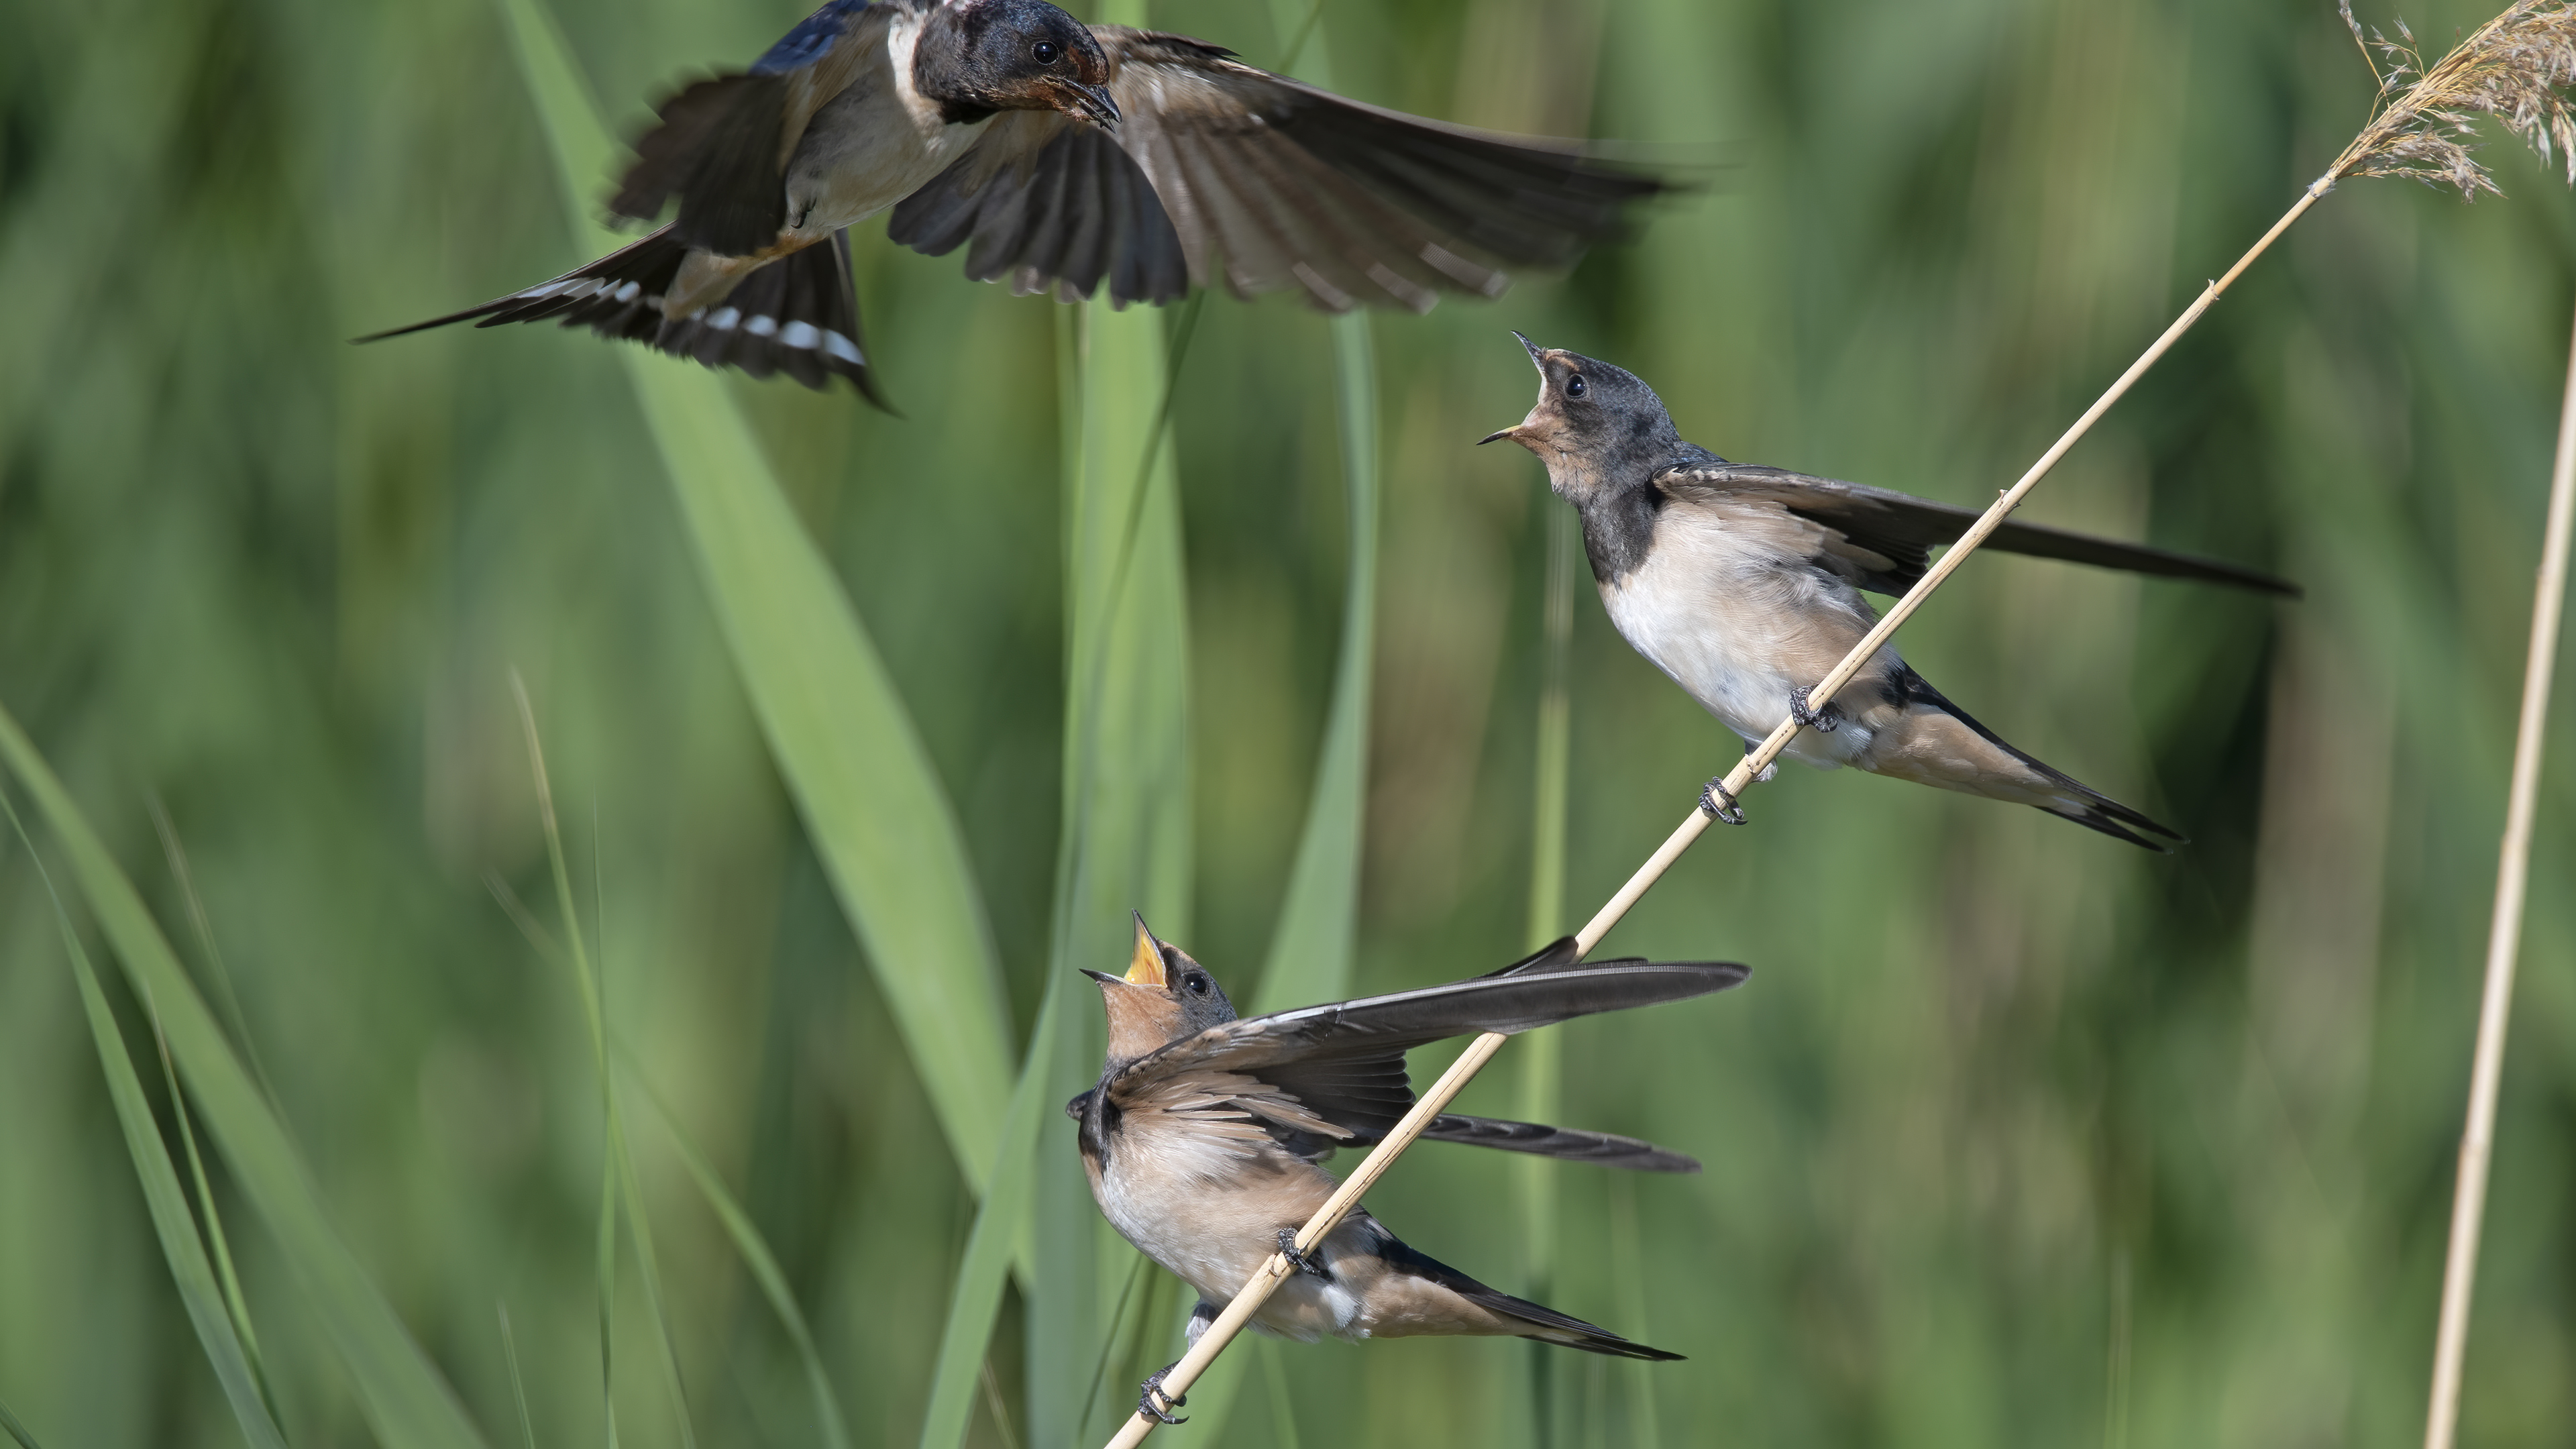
column 1302, row 1262
column 1720, row 803
column 1823, row 721
column 1153, row 1403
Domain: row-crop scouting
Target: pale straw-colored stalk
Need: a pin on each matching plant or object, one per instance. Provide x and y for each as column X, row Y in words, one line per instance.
column 2514, row 68
column 2504, row 936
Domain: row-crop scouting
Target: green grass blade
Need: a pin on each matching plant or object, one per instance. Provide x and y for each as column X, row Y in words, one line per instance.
column 180, row 1246
column 203, row 927
column 17, row 1431
column 236, row 1302
column 648, row 1265
column 863, row 783
column 617, row 1165
column 754, row 1248
column 1000, row 1219
column 1310, row 952
column 604, row 1275
column 518, row 1384
column 407, row 1403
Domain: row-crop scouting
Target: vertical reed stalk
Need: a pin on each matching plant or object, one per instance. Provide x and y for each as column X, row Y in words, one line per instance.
column 2504, row 937
column 1542, row 1073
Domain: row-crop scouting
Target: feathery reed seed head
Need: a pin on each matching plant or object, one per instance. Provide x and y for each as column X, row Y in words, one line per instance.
column 2516, row 68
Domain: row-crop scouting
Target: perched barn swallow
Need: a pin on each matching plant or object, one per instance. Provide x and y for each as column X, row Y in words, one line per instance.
column 1060, row 155
column 1744, row 585
column 1203, row 1135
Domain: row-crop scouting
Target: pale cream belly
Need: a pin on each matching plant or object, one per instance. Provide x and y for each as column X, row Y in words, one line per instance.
column 1736, row 639
column 1229, row 1226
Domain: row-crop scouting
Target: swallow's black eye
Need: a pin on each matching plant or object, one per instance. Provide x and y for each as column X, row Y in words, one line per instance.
column 1574, row 385
column 1196, row 982
column 1045, row 52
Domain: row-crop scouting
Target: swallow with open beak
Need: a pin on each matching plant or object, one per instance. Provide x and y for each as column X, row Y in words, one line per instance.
column 1061, row 156
column 1743, row 584
column 1203, row 1137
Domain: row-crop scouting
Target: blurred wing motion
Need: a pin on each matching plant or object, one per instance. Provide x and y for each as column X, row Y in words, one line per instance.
column 1321, row 1077
column 1882, row 540
column 1218, row 165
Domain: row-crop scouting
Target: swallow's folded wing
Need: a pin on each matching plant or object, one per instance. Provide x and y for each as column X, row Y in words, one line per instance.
column 1602, row 1149
column 1266, row 182
column 722, row 144
column 1328, row 1076
column 1516, row 1002
column 1885, row 538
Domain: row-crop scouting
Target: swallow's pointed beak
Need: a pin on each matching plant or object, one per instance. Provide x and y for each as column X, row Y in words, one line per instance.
column 1094, row 104
column 1146, row 967
column 1519, row 432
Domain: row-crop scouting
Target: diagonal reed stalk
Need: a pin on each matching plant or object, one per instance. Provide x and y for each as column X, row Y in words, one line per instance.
column 2515, row 68
column 2504, row 936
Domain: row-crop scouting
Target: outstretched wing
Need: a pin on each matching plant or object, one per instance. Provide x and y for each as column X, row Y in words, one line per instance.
column 1328, row 1076
column 722, row 144
column 1265, row 182
column 1884, row 539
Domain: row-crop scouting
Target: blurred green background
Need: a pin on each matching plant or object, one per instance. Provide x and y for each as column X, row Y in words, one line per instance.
column 2017, row 1135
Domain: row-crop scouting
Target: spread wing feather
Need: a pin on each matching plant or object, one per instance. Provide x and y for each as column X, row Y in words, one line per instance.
column 1268, row 183
column 1891, row 535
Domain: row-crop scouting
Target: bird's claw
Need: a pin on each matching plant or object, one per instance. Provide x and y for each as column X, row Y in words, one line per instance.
column 1302, row 1262
column 1153, row 1390
column 1720, row 803
column 1823, row 721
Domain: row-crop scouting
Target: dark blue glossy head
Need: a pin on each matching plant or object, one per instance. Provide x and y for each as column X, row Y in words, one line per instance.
column 976, row 57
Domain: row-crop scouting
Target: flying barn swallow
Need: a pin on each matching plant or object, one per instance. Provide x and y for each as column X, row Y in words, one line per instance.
column 1743, row 584
column 1203, row 1137
column 1060, row 155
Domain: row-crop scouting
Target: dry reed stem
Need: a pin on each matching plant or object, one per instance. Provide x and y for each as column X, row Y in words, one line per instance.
column 2512, row 68
column 2504, row 936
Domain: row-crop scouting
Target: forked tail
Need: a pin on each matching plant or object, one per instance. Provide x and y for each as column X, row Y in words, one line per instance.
column 1934, row 742
column 798, row 315
column 1522, row 1317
